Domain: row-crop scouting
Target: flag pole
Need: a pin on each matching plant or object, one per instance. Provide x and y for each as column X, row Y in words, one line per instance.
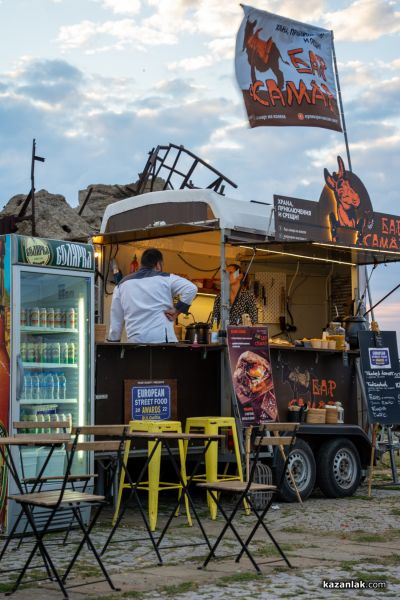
column 341, row 105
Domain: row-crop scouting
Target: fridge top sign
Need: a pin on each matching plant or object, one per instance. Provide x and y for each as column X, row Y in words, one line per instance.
column 40, row 252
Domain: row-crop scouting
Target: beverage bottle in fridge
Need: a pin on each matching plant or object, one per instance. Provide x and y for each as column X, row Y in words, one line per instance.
column 27, row 387
column 71, row 353
column 50, row 318
column 62, row 382
column 42, row 387
column 35, row 387
column 49, row 383
column 64, row 353
column 56, row 389
column 56, row 352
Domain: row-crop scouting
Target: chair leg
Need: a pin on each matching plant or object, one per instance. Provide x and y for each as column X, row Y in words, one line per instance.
column 184, row 479
column 260, row 521
column 86, row 539
column 133, row 493
column 211, row 460
column 185, row 484
column 229, row 524
column 154, row 483
column 39, row 545
column 122, row 481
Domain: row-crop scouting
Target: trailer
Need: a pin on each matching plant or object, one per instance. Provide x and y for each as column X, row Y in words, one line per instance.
column 300, row 287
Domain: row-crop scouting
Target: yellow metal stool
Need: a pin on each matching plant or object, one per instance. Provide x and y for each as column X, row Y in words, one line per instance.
column 211, row 426
column 153, row 485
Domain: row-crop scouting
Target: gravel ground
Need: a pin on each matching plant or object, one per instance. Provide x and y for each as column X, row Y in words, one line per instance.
column 333, row 540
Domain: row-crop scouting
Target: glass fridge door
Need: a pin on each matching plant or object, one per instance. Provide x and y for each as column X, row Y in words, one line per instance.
column 55, row 332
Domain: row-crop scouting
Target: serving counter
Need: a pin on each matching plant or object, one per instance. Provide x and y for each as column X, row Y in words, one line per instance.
column 314, row 375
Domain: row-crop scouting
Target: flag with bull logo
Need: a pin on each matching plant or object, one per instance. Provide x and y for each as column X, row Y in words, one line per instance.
column 285, row 71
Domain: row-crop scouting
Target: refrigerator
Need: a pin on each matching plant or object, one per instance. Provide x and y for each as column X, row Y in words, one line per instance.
column 46, row 348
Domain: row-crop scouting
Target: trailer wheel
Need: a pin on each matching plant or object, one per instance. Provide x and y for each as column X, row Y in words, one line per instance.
column 338, row 468
column 302, row 464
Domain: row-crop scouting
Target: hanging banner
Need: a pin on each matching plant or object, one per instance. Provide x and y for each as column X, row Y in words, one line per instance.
column 251, row 373
column 285, row 71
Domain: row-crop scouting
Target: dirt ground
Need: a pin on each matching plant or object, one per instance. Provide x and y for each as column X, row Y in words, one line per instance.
column 354, row 540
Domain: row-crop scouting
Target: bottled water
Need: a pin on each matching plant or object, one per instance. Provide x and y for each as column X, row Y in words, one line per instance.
column 27, row 391
column 62, row 383
column 35, row 387
column 49, row 385
column 56, row 389
column 42, row 387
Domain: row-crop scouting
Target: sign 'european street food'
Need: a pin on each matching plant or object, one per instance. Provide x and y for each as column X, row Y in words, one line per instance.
column 285, row 71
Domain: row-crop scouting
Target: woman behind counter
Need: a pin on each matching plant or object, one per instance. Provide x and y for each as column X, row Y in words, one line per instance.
column 241, row 300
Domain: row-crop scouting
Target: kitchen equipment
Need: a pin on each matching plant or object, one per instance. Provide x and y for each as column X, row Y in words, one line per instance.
column 352, row 326
column 202, row 330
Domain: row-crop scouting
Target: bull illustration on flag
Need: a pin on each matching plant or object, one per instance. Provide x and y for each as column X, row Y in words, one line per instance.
column 285, row 71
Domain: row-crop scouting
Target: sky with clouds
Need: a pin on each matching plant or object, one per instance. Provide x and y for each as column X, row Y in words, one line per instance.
column 99, row 83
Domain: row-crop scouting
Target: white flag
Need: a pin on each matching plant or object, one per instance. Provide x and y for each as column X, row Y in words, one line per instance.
column 285, row 71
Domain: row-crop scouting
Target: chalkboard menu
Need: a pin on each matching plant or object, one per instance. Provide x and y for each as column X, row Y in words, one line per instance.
column 381, row 373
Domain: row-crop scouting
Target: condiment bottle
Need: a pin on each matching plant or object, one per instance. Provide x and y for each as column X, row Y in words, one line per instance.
column 134, row 266
column 214, row 332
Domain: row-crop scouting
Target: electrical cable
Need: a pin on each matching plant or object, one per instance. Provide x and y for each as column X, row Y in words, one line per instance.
column 198, row 268
column 288, row 294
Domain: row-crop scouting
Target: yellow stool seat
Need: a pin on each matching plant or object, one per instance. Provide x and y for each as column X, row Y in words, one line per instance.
column 153, row 485
column 212, row 426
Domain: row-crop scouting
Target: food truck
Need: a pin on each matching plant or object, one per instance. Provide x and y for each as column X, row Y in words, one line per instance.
column 300, row 287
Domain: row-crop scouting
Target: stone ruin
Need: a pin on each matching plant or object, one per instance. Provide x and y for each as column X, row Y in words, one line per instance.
column 56, row 219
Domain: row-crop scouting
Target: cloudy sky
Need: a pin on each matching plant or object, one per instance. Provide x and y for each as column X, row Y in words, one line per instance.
column 98, row 83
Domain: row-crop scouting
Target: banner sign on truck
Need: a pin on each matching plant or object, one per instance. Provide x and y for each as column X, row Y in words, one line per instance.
column 343, row 215
column 251, row 373
column 285, row 71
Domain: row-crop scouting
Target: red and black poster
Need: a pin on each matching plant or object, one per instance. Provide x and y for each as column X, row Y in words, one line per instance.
column 251, row 373
column 343, row 215
column 285, row 71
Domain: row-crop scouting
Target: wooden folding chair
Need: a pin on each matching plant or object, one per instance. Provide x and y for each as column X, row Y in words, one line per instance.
column 57, row 501
column 36, row 483
column 244, row 490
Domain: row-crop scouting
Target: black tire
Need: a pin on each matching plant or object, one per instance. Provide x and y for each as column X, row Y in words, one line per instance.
column 304, row 471
column 338, row 468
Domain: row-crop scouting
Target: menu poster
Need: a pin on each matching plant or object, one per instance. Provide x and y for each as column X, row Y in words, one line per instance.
column 251, row 372
column 381, row 373
column 145, row 400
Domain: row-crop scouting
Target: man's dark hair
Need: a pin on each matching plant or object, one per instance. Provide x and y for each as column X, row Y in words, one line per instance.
column 150, row 258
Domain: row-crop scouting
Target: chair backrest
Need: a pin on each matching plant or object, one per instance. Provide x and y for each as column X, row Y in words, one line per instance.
column 283, row 434
column 101, row 430
column 42, row 431
column 43, row 426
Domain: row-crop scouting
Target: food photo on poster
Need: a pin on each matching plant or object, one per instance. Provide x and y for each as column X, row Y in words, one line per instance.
column 252, row 374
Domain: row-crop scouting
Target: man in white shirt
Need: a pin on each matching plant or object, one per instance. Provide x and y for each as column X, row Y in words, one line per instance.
column 143, row 301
